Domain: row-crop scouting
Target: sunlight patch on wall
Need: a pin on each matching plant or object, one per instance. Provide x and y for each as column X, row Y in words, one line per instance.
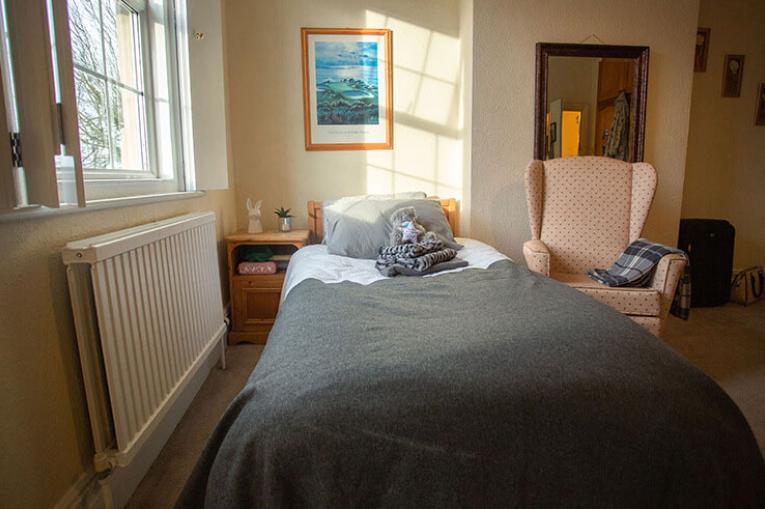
column 428, row 144
column 426, row 67
column 380, row 158
column 415, row 153
column 435, row 100
column 379, row 180
column 405, row 89
column 422, row 161
column 408, row 183
column 443, row 59
column 415, row 39
column 450, row 162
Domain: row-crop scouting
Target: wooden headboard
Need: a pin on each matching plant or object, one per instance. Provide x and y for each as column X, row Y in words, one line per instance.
column 316, row 225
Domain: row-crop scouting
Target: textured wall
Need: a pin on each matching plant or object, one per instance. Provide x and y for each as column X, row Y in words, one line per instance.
column 265, row 84
column 505, row 34
column 725, row 170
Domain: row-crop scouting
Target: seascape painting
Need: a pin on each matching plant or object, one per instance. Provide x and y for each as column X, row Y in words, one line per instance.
column 346, row 83
column 347, row 88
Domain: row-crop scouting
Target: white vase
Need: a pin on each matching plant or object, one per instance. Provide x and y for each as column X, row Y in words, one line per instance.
column 285, row 224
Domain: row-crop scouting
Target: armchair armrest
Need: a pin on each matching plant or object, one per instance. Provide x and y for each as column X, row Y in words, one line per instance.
column 537, row 256
column 665, row 279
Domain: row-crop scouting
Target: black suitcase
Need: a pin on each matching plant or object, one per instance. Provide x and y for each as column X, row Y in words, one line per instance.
column 709, row 244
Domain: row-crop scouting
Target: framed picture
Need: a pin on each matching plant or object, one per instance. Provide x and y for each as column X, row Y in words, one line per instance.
column 733, row 72
column 702, row 49
column 347, row 88
column 759, row 116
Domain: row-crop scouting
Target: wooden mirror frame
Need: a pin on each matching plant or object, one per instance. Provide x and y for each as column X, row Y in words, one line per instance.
column 637, row 104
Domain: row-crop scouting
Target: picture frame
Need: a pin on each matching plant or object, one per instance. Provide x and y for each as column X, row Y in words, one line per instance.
column 759, row 112
column 347, row 88
column 733, row 74
column 702, row 49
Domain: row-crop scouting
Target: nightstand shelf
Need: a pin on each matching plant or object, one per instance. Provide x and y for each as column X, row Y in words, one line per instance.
column 255, row 298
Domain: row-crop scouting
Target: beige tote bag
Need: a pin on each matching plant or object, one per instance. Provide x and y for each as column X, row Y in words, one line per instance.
column 747, row 285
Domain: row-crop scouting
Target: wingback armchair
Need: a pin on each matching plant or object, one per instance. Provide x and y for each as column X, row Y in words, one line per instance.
column 583, row 212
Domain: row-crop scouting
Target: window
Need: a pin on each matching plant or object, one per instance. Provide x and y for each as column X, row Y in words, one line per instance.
column 108, row 77
column 97, row 96
column 128, row 116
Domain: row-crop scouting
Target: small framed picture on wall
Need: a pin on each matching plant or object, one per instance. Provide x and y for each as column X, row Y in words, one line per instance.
column 733, row 73
column 759, row 117
column 702, row 49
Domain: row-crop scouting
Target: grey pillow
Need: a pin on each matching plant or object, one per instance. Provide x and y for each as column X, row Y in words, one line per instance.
column 360, row 228
column 396, row 196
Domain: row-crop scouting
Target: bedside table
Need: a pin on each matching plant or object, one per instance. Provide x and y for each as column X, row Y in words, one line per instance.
column 255, row 298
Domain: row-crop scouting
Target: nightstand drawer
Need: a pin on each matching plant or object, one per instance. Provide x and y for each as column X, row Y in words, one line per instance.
column 262, row 281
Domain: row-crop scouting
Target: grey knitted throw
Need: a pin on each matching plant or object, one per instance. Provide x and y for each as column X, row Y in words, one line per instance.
column 425, row 257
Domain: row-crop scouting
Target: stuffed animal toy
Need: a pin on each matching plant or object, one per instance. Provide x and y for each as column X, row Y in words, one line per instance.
column 409, row 232
column 406, row 229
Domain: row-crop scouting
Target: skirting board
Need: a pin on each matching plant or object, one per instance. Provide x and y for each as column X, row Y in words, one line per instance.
column 85, row 493
column 115, row 490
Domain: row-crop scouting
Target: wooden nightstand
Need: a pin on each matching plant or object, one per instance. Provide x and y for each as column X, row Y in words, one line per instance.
column 255, row 298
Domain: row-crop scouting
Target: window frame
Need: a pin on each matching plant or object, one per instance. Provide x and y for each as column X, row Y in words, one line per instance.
column 112, row 183
column 193, row 152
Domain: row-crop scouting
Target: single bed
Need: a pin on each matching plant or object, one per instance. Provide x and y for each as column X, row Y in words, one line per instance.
column 485, row 387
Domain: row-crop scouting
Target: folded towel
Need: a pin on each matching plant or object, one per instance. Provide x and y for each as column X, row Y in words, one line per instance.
column 419, row 263
column 396, row 269
column 428, row 245
column 258, row 268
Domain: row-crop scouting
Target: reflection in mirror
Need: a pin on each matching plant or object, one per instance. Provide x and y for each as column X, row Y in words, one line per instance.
column 590, row 101
column 588, row 106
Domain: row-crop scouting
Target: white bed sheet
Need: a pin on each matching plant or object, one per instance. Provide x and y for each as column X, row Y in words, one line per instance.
column 314, row 262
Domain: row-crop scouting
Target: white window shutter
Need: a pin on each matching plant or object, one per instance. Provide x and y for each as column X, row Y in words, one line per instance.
column 33, row 77
column 7, row 186
column 204, row 39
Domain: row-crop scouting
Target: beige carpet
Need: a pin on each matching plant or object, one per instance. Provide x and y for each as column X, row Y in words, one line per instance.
column 728, row 343
column 164, row 481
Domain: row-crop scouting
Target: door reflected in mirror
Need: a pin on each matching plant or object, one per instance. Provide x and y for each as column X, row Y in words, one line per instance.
column 590, row 101
column 589, row 106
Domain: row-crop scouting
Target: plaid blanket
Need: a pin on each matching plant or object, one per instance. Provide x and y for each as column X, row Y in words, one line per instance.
column 635, row 268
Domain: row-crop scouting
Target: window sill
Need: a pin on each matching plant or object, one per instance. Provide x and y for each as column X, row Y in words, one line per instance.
column 36, row 211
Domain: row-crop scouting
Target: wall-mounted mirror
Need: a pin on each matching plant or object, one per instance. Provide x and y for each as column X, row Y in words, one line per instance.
column 590, row 100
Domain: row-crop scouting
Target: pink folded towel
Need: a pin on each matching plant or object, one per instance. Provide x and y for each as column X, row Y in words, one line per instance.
column 257, row 268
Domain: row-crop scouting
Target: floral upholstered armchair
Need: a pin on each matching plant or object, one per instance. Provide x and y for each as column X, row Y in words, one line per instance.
column 583, row 212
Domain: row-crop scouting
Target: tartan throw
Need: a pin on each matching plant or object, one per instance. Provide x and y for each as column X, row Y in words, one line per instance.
column 635, row 268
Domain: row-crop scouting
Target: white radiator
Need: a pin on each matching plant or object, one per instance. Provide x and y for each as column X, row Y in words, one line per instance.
column 148, row 312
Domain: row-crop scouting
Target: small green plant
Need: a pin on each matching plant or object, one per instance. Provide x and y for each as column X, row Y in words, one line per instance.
column 281, row 212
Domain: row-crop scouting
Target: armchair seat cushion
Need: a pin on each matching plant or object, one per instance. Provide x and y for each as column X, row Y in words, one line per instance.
column 630, row 301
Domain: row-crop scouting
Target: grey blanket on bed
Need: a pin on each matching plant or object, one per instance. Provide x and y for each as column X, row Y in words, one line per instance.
column 483, row 388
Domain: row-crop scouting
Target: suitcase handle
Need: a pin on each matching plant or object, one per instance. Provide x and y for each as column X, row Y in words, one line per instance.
column 761, row 278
